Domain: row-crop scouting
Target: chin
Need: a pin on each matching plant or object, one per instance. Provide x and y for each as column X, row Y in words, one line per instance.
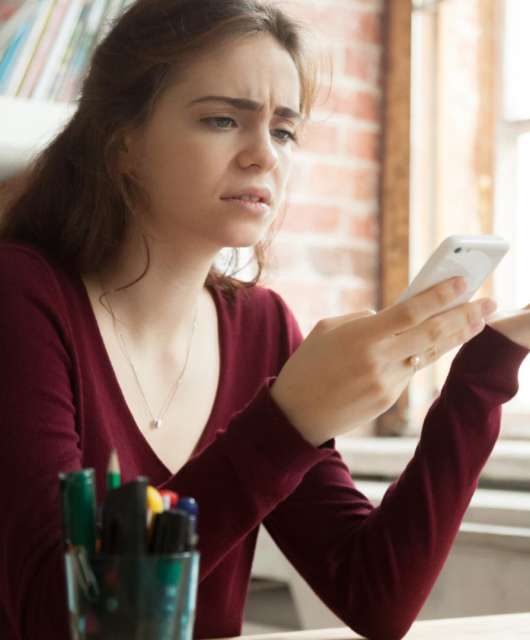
column 243, row 237
column 241, row 244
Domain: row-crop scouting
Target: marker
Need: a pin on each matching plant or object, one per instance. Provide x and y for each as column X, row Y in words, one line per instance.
column 155, row 504
column 170, row 498
column 190, row 506
column 172, row 532
column 113, row 471
column 78, row 503
column 124, row 518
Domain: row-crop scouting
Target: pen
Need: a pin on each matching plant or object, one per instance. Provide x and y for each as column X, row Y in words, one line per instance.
column 124, row 517
column 170, row 498
column 190, row 506
column 113, row 471
column 172, row 532
column 155, row 505
column 78, row 505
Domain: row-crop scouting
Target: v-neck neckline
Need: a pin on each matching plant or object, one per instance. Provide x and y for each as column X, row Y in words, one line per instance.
column 118, row 393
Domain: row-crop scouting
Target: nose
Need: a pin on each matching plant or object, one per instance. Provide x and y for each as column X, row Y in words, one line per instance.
column 258, row 151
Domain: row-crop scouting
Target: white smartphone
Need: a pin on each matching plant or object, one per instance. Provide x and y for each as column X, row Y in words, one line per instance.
column 472, row 257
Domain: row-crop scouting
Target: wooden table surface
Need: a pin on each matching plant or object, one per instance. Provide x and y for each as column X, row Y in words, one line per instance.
column 512, row 626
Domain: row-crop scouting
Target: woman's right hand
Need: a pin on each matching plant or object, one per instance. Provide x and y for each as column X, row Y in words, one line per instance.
column 352, row 368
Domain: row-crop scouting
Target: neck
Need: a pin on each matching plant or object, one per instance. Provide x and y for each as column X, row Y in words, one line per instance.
column 160, row 307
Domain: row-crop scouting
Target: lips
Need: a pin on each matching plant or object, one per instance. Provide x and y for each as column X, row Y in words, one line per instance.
column 252, row 194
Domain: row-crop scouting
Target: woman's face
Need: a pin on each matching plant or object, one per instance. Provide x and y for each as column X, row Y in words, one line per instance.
column 198, row 156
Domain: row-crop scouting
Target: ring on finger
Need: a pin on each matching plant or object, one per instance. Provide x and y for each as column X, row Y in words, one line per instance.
column 433, row 353
column 414, row 362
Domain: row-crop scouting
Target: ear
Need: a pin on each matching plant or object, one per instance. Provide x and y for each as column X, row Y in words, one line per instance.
column 124, row 154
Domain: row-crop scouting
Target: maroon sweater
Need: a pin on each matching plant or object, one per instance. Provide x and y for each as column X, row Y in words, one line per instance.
column 61, row 408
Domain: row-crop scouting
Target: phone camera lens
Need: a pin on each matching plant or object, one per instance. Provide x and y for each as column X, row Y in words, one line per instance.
column 458, row 249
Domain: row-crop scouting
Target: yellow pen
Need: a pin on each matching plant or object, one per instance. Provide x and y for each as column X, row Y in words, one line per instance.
column 155, row 504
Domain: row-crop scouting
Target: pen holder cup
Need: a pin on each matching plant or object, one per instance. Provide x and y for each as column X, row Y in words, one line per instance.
column 132, row 597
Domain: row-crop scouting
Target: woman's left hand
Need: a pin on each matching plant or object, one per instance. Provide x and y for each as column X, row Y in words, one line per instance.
column 515, row 325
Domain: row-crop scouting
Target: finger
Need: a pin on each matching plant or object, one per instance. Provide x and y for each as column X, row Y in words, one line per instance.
column 434, row 332
column 412, row 312
column 327, row 324
column 445, row 346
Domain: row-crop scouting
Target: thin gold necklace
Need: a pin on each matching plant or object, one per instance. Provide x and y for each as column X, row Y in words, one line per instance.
column 156, row 422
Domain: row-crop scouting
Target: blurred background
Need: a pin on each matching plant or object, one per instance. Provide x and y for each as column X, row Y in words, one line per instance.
column 423, row 132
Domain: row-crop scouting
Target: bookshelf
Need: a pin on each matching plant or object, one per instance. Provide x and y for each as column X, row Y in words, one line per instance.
column 45, row 47
column 27, row 126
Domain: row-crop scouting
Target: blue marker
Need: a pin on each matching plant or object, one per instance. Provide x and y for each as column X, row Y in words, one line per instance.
column 190, row 506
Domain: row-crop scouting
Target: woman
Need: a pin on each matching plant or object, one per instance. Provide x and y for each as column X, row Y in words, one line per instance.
column 118, row 331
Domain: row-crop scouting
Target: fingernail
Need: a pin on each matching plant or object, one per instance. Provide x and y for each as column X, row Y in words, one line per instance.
column 488, row 307
column 459, row 285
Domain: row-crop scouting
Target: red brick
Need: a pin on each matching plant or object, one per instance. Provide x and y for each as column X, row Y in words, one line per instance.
column 363, row 105
column 342, row 182
column 339, row 21
column 357, row 299
column 322, row 138
column 363, row 64
column 362, row 144
column 311, row 218
column 349, row 24
column 366, row 227
column 332, row 261
column 284, row 255
column 307, row 299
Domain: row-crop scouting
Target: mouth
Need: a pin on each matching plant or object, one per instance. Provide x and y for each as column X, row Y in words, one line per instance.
column 249, row 205
column 246, row 199
column 252, row 194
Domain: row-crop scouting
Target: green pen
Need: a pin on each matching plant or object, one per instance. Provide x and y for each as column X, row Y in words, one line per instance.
column 113, row 471
column 78, row 502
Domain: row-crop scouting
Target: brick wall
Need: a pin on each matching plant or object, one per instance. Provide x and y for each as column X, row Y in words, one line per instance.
column 324, row 260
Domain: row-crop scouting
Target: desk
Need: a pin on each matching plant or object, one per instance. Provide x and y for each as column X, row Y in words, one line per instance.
column 511, row 626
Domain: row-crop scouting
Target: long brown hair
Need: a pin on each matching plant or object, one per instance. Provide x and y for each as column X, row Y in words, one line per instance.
column 72, row 201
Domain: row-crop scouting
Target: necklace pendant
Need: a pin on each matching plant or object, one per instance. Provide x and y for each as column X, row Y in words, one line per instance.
column 156, row 423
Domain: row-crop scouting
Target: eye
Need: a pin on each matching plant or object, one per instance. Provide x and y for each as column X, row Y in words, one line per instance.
column 225, row 122
column 284, row 136
column 220, row 122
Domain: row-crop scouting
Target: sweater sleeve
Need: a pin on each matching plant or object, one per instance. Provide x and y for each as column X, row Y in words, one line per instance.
column 375, row 567
column 39, row 439
column 38, row 416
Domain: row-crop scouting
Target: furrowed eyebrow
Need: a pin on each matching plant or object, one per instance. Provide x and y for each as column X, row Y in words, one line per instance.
column 248, row 105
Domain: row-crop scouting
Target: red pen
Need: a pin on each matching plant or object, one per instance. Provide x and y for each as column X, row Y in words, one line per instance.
column 170, row 499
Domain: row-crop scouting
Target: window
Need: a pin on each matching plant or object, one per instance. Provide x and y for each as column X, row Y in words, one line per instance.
column 470, row 168
column 512, row 202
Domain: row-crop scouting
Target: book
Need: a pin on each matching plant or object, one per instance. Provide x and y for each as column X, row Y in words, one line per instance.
column 49, row 34
column 24, row 57
column 46, row 45
column 69, row 84
column 65, row 62
column 67, row 22
column 12, row 35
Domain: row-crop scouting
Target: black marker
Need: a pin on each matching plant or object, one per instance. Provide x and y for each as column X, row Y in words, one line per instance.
column 173, row 532
column 124, row 518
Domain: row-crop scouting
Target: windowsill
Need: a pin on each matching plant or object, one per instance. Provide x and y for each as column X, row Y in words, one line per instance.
column 388, row 457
